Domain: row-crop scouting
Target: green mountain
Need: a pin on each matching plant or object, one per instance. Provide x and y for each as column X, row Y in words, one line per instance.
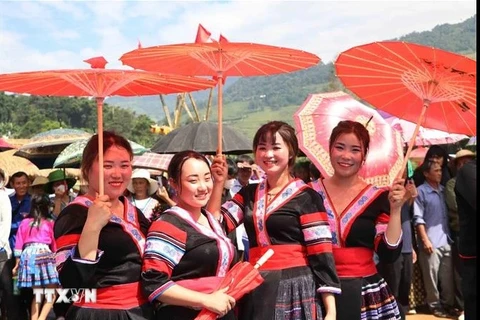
column 151, row 105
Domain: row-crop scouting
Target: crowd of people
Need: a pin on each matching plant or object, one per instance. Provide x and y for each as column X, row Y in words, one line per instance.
column 159, row 248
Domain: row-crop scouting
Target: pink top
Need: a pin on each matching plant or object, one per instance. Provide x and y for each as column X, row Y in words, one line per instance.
column 43, row 234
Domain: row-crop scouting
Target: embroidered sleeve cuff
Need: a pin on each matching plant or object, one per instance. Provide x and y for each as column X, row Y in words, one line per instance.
column 17, row 253
column 76, row 257
column 157, row 293
column 327, row 289
column 394, row 245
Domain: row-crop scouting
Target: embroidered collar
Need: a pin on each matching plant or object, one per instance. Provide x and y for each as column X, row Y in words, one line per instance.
column 129, row 222
column 261, row 212
column 225, row 247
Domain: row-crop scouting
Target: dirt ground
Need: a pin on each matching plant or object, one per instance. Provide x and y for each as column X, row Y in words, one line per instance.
column 422, row 317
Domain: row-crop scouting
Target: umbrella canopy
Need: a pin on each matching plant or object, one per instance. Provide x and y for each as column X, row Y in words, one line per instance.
column 54, row 137
column 320, row 113
column 11, row 164
column 44, row 147
column 100, row 83
column 425, row 136
column 202, row 137
column 71, row 156
column 428, row 86
column 152, row 161
column 4, row 145
column 220, row 60
column 419, row 153
column 472, row 141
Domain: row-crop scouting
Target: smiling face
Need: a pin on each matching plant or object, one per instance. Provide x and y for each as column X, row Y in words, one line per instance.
column 21, row 185
column 117, row 169
column 346, row 155
column 194, row 186
column 272, row 157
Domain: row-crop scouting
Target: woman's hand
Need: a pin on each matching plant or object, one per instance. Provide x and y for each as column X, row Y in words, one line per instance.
column 396, row 196
column 219, row 169
column 219, row 302
column 162, row 193
column 99, row 213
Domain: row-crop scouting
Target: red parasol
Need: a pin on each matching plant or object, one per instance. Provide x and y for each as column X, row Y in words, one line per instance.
column 240, row 280
column 320, row 113
column 99, row 83
column 219, row 60
column 428, row 86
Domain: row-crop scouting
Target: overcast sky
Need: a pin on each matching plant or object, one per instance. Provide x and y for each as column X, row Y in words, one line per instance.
column 39, row 35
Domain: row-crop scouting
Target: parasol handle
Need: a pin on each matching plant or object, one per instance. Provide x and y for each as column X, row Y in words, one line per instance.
column 267, row 255
column 414, row 136
column 220, row 113
column 101, row 187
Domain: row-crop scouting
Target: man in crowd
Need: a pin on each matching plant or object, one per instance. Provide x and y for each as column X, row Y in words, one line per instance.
column 466, row 196
column 16, row 307
column 5, row 223
column 461, row 157
column 434, row 256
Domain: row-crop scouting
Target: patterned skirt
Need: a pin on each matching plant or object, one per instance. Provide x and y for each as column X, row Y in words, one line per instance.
column 288, row 294
column 366, row 298
column 37, row 266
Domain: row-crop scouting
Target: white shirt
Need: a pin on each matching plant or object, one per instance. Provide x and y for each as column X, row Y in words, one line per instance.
column 240, row 231
column 145, row 205
column 5, row 221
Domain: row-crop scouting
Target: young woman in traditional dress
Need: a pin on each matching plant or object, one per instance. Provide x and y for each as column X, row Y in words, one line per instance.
column 187, row 252
column 284, row 214
column 364, row 219
column 101, row 238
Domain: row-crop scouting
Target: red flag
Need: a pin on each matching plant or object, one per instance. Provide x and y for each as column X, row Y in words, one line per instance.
column 96, row 62
column 202, row 34
column 222, row 39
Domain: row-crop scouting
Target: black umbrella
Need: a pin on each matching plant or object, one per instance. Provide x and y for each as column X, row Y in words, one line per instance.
column 202, row 137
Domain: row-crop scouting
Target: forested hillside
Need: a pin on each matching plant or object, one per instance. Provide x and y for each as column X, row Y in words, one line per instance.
column 25, row 116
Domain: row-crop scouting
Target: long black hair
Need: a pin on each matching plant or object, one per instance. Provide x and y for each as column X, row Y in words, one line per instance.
column 39, row 209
